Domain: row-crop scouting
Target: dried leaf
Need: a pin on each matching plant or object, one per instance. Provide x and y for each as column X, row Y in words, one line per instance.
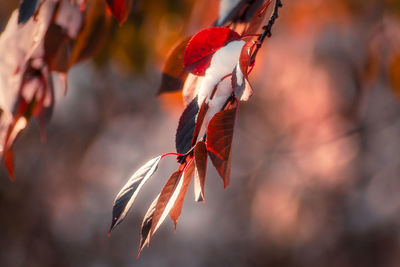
column 219, row 141
column 128, row 193
column 203, row 45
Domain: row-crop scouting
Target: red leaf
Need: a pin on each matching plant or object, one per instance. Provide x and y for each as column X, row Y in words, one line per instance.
column 200, row 158
column 173, row 74
column 9, row 162
column 219, row 140
column 240, row 83
column 167, row 198
column 120, row 9
column 203, row 45
column 187, row 177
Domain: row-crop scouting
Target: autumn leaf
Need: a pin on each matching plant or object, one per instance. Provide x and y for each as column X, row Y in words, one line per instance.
column 186, row 127
column 166, row 200
column 203, row 45
column 219, row 141
column 120, row 9
column 200, row 158
column 173, row 74
column 146, row 226
column 128, row 193
column 187, row 177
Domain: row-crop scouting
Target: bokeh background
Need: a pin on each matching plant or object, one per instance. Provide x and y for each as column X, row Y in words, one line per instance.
column 316, row 157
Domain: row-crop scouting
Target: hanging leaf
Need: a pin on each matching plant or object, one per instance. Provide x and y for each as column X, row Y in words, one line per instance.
column 219, row 141
column 26, row 10
column 200, row 158
column 394, row 74
column 146, row 226
column 95, row 31
column 203, row 45
column 199, row 121
column 186, row 127
column 57, row 47
column 166, row 201
column 173, row 74
column 128, row 193
column 177, row 208
column 120, row 9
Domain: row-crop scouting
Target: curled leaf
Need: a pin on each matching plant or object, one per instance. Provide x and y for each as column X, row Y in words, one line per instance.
column 128, row 193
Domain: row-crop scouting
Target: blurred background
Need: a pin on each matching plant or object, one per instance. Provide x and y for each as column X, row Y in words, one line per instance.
column 316, row 157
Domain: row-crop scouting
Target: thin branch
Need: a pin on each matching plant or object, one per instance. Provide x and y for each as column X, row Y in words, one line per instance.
column 267, row 30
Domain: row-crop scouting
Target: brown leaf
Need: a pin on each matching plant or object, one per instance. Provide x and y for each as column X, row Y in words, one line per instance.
column 200, row 158
column 173, row 74
column 187, row 177
column 95, row 31
column 167, row 198
column 394, row 74
column 219, row 140
column 146, row 226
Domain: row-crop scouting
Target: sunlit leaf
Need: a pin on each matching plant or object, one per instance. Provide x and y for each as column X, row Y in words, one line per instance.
column 200, row 158
column 146, row 226
column 219, row 141
column 203, row 45
column 173, row 74
column 128, row 193
column 187, row 177
column 166, row 200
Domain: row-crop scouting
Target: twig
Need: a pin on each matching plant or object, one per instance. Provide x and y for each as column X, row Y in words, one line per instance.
column 267, row 30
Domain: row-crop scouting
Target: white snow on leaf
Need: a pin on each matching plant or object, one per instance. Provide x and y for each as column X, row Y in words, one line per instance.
column 222, row 64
